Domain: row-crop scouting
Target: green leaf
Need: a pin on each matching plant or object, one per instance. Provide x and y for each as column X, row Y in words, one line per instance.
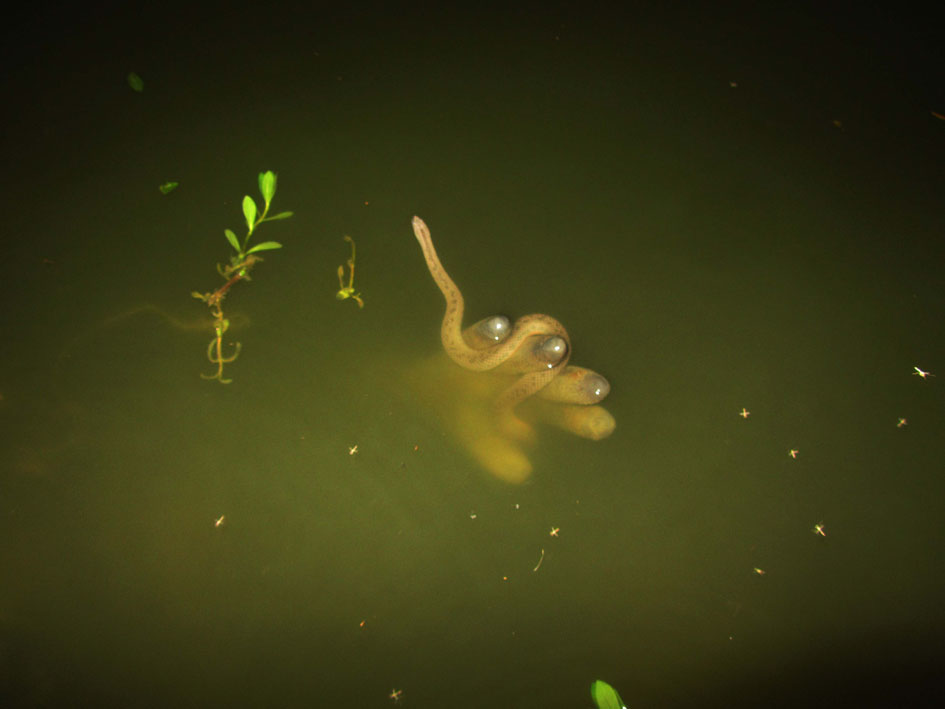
column 280, row 215
column 265, row 246
column 234, row 242
column 605, row 696
column 267, row 185
column 168, row 187
column 135, row 82
column 249, row 211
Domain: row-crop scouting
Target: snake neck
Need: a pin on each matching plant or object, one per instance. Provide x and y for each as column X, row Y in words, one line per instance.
column 451, row 330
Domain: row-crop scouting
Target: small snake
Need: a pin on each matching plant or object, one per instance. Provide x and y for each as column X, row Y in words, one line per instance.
column 481, row 360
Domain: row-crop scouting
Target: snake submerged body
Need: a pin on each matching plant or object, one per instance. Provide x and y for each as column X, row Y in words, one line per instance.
column 481, row 359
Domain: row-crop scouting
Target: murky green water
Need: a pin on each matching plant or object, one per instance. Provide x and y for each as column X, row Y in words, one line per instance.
column 672, row 188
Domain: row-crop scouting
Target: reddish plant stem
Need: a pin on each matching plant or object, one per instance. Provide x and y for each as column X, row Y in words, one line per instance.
column 218, row 294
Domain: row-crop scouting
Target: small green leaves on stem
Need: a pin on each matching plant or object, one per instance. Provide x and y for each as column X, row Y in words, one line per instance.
column 267, row 186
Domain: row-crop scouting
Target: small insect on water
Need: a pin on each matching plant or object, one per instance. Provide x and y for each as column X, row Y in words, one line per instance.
column 819, row 529
column 744, row 413
column 920, row 373
column 218, row 522
column 395, row 695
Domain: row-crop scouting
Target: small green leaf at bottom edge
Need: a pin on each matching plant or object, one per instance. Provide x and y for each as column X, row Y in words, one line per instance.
column 605, row 696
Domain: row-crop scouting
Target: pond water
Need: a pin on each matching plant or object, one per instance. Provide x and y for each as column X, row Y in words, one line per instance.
column 737, row 217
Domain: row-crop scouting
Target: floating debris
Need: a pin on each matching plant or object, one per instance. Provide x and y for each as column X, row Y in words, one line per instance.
column 135, row 82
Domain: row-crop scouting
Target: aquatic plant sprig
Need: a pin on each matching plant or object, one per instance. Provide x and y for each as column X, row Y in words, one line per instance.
column 267, row 187
column 238, row 270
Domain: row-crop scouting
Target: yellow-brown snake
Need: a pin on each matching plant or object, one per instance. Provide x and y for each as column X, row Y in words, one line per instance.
column 480, row 360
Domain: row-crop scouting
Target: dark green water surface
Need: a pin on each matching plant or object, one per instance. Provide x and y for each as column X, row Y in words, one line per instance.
column 726, row 209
